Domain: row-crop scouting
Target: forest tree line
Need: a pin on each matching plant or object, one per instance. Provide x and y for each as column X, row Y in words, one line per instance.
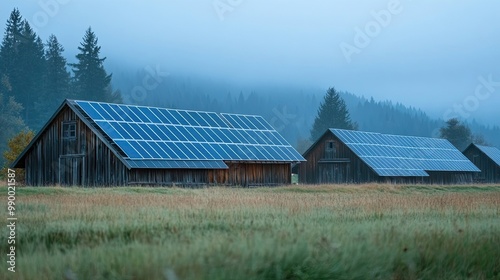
column 35, row 78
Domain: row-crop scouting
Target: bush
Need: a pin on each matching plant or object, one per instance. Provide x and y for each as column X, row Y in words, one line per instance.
column 15, row 147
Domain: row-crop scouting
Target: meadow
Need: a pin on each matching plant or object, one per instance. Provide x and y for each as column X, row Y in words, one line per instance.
column 290, row 232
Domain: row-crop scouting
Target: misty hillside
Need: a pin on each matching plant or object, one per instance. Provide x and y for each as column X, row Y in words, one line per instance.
column 290, row 110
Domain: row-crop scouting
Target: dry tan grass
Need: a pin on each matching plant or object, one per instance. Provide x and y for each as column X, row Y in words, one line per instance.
column 292, row 232
column 366, row 198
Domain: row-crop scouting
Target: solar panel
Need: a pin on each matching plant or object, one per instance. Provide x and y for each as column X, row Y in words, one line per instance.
column 182, row 164
column 401, row 156
column 491, row 152
column 155, row 135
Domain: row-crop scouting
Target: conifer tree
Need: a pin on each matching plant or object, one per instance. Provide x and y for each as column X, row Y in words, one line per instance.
column 56, row 81
column 10, row 121
column 9, row 51
column 32, row 73
column 458, row 134
column 22, row 64
column 91, row 82
column 332, row 113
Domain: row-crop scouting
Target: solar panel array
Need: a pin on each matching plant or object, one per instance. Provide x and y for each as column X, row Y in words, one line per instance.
column 491, row 152
column 167, row 138
column 402, row 156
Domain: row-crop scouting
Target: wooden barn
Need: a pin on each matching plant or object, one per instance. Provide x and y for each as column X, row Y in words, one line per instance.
column 487, row 159
column 347, row 156
column 101, row 144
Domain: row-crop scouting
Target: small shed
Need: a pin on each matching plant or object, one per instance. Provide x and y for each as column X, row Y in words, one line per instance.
column 487, row 159
column 101, row 144
column 347, row 156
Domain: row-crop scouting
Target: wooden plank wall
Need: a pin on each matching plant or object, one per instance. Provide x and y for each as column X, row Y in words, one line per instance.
column 98, row 165
column 357, row 172
column 92, row 163
column 490, row 171
column 238, row 174
column 447, row 178
column 314, row 172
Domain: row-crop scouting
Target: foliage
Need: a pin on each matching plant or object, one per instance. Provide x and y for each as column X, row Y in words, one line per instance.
column 9, row 49
column 57, row 81
column 479, row 139
column 305, row 232
column 22, row 64
column 10, row 121
column 458, row 134
column 91, row 82
column 15, row 147
column 332, row 113
column 31, row 74
column 37, row 76
column 387, row 117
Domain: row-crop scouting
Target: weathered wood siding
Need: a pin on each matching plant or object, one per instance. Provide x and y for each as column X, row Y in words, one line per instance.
column 341, row 166
column 84, row 161
column 447, row 178
column 238, row 174
column 490, row 171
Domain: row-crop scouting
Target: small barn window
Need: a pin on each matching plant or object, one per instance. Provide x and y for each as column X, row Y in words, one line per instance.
column 69, row 130
column 331, row 149
column 69, row 141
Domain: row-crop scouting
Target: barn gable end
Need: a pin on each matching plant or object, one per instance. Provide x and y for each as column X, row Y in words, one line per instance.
column 329, row 160
column 346, row 156
column 487, row 159
column 78, row 146
column 67, row 151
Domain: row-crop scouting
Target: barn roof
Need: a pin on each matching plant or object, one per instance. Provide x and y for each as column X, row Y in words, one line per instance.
column 404, row 156
column 492, row 152
column 149, row 137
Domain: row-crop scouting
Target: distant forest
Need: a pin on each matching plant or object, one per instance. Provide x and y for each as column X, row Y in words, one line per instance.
column 290, row 110
column 35, row 78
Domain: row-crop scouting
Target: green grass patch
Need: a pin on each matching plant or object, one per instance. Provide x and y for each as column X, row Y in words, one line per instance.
column 296, row 232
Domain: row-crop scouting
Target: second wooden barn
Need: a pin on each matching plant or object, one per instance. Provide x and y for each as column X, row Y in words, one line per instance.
column 487, row 159
column 346, row 156
column 102, row 144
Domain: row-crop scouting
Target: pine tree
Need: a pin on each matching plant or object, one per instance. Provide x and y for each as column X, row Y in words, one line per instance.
column 56, row 82
column 458, row 134
column 10, row 121
column 91, row 82
column 22, row 64
column 32, row 65
column 9, row 51
column 332, row 113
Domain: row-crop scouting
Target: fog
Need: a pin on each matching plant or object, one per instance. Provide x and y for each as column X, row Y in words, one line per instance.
column 429, row 55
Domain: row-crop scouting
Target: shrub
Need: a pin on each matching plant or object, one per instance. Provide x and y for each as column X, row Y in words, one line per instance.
column 15, row 147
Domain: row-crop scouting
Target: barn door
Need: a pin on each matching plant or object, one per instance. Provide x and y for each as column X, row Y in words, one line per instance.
column 338, row 172
column 71, row 171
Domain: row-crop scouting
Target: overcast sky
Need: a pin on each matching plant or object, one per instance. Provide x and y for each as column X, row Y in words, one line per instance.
column 428, row 54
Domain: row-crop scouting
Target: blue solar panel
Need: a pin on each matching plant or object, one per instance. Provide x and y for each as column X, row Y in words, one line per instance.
column 183, row 137
column 181, row 164
column 395, row 155
column 491, row 152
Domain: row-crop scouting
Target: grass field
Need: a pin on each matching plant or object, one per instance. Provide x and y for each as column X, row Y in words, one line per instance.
column 305, row 232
